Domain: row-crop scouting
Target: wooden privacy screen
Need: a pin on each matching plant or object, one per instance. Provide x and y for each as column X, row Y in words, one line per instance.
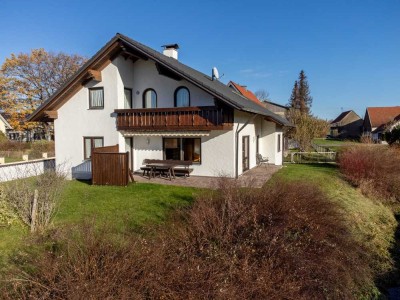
column 109, row 167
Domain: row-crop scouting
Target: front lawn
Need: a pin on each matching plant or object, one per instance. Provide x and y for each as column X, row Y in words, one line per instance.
column 123, row 208
column 133, row 205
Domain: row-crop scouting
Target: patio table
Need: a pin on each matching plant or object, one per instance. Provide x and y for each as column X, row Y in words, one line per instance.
column 162, row 167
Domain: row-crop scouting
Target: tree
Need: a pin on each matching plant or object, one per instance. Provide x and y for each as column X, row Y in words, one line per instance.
column 300, row 98
column 392, row 135
column 294, row 101
column 27, row 80
column 304, row 93
column 262, row 95
column 307, row 127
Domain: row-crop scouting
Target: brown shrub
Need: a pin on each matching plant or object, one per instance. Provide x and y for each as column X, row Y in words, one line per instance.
column 287, row 241
column 14, row 146
column 374, row 169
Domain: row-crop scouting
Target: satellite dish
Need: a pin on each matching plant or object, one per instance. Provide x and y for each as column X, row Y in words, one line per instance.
column 215, row 74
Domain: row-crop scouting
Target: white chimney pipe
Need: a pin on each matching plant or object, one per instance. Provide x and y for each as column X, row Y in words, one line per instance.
column 171, row 50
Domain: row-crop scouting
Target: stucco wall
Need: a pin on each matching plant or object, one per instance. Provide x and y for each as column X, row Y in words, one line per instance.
column 217, row 153
column 75, row 119
column 146, row 76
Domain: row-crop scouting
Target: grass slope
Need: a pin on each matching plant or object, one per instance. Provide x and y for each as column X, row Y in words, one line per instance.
column 372, row 223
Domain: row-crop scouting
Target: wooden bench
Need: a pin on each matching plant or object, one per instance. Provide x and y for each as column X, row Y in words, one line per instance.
column 182, row 166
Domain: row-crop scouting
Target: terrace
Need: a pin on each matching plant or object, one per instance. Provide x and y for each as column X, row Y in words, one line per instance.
column 175, row 118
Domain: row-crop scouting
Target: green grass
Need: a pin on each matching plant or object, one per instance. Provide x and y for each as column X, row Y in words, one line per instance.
column 12, row 159
column 372, row 223
column 122, row 208
column 334, row 145
column 133, row 205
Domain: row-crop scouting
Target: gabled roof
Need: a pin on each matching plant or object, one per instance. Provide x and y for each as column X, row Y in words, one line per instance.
column 166, row 65
column 276, row 104
column 6, row 124
column 382, row 115
column 244, row 92
column 341, row 116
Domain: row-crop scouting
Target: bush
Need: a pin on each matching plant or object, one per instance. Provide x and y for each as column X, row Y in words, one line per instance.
column 19, row 194
column 39, row 147
column 285, row 241
column 374, row 169
column 14, row 146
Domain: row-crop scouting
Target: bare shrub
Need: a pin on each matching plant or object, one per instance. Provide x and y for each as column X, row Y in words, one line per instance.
column 374, row 169
column 38, row 147
column 20, row 195
column 366, row 138
column 14, row 146
column 286, row 241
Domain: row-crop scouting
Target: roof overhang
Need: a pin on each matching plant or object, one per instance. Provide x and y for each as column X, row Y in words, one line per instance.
column 121, row 45
column 166, row 133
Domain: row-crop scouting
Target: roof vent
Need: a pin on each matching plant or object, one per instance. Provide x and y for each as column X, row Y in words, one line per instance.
column 171, row 50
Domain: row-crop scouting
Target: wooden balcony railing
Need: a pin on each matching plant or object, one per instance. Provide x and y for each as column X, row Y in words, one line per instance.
column 176, row 118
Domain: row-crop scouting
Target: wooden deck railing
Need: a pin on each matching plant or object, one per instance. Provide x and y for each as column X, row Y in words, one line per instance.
column 176, row 118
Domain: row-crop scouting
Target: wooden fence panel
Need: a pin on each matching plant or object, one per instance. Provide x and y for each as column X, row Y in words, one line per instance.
column 110, row 168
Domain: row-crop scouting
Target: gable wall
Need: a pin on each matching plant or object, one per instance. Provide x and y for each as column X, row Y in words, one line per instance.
column 144, row 75
column 75, row 120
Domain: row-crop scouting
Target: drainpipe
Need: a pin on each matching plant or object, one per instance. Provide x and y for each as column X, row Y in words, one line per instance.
column 238, row 130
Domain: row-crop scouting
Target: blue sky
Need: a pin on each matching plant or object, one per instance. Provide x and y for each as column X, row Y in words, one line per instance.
column 350, row 50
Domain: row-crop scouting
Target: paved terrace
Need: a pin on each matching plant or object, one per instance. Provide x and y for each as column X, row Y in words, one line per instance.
column 255, row 177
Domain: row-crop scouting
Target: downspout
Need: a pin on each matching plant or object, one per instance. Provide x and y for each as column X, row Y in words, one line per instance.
column 238, row 130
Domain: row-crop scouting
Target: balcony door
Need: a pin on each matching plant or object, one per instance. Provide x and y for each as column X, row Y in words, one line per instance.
column 245, row 153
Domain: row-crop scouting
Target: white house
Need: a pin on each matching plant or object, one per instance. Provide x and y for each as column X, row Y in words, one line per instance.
column 4, row 125
column 155, row 107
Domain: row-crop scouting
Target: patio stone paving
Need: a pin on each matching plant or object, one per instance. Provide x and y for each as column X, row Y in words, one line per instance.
column 255, row 178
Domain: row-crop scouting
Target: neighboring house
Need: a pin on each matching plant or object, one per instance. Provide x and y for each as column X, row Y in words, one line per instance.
column 5, row 127
column 377, row 118
column 347, row 125
column 155, row 107
column 276, row 108
column 242, row 90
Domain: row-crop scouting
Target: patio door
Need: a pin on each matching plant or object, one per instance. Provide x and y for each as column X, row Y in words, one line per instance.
column 245, row 153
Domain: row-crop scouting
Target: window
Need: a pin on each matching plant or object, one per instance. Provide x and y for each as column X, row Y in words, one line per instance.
column 182, row 97
column 183, row 149
column 128, row 98
column 149, row 99
column 279, row 143
column 89, row 143
column 96, row 98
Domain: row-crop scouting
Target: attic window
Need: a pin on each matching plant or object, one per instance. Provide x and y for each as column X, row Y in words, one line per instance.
column 182, row 97
column 96, row 98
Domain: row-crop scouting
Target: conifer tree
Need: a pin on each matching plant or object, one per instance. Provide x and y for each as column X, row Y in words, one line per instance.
column 304, row 93
column 300, row 98
column 294, row 97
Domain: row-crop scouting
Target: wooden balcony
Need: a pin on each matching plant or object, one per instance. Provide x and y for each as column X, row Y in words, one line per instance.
column 176, row 118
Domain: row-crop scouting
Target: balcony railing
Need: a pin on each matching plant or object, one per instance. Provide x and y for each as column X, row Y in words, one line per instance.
column 176, row 118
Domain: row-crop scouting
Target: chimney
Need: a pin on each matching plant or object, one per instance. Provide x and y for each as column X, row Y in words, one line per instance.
column 171, row 50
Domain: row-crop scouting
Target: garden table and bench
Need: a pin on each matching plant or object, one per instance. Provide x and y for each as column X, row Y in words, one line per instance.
column 166, row 167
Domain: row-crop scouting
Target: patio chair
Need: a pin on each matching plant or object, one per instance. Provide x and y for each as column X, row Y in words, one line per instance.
column 262, row 160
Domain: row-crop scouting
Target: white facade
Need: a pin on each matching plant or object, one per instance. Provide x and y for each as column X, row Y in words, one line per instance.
column 218, row 147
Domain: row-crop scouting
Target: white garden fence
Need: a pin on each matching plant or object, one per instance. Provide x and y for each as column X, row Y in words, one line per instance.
column 24, row 169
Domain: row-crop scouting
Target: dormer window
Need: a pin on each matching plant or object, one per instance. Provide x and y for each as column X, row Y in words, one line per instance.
column 96, row 98
column 149, row 99
column 182, row 97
